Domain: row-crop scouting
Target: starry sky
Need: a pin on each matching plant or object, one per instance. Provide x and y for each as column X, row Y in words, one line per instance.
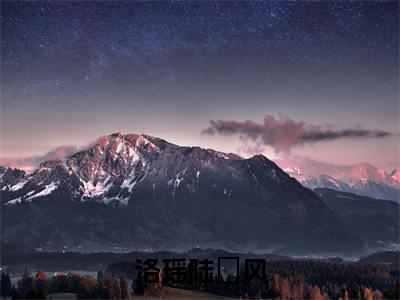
column 72, row 71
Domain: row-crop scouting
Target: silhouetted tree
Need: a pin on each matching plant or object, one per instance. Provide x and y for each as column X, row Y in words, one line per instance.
column 40, row 274
column 58, row 284
column 100, row 275
column 354, row 291
column 138, row 285
column 393, row 292
column 285, row 289
column 316, row 294
column 275, row 286
column 367, row 294
column 87, row 287
column 377, row 295
column 125, row 293
column 5, row 283
column 25, row 284
column 40, row 288
column 112, row 288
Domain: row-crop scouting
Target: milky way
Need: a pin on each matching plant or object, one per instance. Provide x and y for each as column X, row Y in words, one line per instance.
column 75, row 70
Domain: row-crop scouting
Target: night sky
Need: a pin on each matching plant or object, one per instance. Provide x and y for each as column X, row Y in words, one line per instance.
column 74, row 71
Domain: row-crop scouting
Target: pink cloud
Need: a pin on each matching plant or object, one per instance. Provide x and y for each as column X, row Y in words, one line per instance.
column 31, row 162
column 282, row 134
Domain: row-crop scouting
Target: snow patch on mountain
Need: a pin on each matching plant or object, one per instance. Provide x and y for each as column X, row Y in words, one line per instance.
column 112, row 168
column 91, row 189
column 14, row 201
column 48, row 189
column 18, row 186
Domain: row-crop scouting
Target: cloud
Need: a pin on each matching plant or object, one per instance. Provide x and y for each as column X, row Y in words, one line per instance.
column 32, row 162
column 282, row 134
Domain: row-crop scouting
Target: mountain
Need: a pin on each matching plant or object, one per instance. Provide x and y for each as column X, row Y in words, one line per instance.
column 373, row 219
column 137, row 191
column 386, row 257
column 361, row 179
column 10, row 176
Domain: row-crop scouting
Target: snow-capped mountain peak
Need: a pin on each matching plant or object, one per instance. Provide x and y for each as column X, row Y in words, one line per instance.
column 163, row 193
column 109, row 169
column 362, row 179
column 295, row 172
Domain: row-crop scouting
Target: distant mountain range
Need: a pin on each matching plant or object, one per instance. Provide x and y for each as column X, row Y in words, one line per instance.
column 361, row 179
column 137, row 191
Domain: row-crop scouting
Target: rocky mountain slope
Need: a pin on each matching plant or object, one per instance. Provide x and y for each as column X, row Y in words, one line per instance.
column 132, row 191
column 374, row 219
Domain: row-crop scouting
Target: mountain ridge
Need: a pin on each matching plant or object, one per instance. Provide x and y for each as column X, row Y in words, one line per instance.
column 136, row 190
column 362, row 179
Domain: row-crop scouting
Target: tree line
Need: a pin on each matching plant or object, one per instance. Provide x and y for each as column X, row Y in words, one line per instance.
column 314, row 280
